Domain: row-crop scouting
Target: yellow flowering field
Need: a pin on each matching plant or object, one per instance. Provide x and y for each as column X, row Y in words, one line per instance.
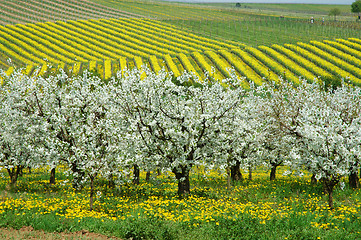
column 288, row 203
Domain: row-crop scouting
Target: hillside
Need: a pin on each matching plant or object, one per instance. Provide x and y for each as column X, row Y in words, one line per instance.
column 25, row 11
column 106, row 36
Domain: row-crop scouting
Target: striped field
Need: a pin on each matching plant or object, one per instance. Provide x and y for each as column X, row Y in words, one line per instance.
column 78, row 35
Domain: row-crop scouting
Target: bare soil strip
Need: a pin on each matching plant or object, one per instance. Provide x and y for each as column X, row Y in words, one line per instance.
column 30, row 233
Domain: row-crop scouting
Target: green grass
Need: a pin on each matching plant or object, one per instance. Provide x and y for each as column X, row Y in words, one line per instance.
column 257, row 27
column 284, row 7
column 207, row 10
column 255, row 31
column 259, row 24
column 304, row 11
column 288, row 208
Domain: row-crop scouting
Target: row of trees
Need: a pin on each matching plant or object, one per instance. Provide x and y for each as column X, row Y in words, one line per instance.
column 99, row 128
column 355, row 8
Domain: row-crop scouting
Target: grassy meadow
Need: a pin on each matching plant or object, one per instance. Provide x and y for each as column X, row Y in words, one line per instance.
column 268, row 30
column 288, row 208
column 253, row 24
column 306, row 9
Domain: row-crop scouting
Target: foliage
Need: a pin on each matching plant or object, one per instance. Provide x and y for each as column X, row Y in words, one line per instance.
column 320, row 129
column 177, row 126
column 356, row 6
column 154, row 121
column 81, row 126
column 334, row 12
column 22, row 135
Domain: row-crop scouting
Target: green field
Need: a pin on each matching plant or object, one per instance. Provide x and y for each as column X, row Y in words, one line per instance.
column 318, row 9
column 267, row 30
column 260, row 23
column 172, row 38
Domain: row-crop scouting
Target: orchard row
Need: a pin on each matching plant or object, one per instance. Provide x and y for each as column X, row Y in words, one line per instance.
column 149, row 121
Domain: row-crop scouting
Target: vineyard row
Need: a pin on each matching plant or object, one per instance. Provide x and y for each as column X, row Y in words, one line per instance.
column 330, row 59
column 31, row 11
column 75, row 41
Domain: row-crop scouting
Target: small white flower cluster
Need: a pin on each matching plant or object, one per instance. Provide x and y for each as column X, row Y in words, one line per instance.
column 98, row 128
column 316, row 127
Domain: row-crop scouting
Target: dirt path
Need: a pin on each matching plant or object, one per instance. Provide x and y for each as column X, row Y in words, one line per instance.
column 30, row 233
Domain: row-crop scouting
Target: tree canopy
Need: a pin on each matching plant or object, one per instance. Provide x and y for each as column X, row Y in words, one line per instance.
column 96, row 129
column 335, row 12
column 356, row 6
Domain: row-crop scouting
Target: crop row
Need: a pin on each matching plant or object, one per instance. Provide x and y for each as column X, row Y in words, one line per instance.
column 255, row 64
column 163, row 45
column 164, row 10
column 83, row 41
column 94, row 40
column 31, row 11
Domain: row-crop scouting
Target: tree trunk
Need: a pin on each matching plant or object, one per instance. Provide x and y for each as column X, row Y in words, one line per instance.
column 273, row 172
column 78, row 176
column 136, row 174
column 184, row 187
column 91, row 200
column 182, row 175
column 330, row 199
column 111, row 183
column 250, row 173
column 329, row 185
column 13, row 180
column 236, row 174
column 354, row 180
column 21, row 173
column 147, row 176
column 313, row 179
column 14, row 174
column 52, row 176
column 229, row 178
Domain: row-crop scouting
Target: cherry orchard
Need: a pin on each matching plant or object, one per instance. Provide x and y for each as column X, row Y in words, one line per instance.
column 22, row 133
column 78, row 111
column 98, row 128
column 176, row 124
column 241, row 135
column 58, row 120
column 322, row 125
